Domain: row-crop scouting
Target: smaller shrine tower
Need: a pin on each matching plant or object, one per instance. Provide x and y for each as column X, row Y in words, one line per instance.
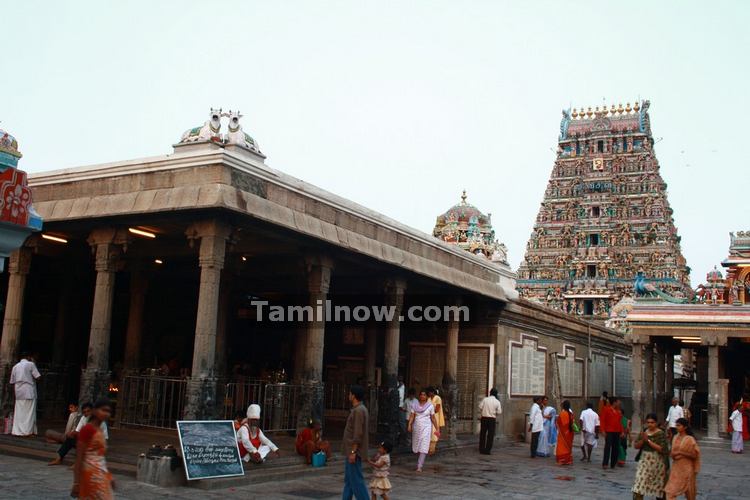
column 467, row 227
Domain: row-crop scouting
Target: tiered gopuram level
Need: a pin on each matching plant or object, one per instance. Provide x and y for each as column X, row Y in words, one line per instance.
column 604, row 219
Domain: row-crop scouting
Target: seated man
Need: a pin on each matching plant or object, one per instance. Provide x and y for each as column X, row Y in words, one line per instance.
column 70, row 438
column 73, row 417
column 253, row 444
column 310, row 441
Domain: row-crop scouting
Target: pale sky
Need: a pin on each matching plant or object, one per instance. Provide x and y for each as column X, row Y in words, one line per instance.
column 395, row 105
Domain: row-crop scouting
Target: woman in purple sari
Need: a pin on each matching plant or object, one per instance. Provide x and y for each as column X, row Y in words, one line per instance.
column 422, row 424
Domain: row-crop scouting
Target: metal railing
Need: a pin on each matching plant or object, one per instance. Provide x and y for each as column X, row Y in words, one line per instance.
column 337, row 397
column 281, row 406
column 239, row 395
column 150, row 401
column 53, row 391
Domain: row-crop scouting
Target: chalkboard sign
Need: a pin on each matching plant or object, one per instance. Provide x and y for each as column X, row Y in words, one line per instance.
column 209, row 449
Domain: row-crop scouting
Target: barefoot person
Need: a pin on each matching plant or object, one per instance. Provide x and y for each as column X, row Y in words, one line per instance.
column 564, row 450
column 589, row 422
column 310, row 441
column 686, row 456
column 422, row 424
column 253, row 444
column 651, row 473
column 381, row 465
column 23, row 378
column 91, row 478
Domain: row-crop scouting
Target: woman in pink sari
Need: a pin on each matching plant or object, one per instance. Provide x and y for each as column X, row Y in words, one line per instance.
column 422, row 424
column 686, row 456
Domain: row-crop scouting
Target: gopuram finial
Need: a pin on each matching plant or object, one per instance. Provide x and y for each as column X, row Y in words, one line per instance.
column 463, row 198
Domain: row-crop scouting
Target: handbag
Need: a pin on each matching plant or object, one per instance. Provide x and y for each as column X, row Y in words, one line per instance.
column 576, row 428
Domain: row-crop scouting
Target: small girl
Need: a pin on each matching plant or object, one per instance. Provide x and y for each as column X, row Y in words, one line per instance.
column 380, row 485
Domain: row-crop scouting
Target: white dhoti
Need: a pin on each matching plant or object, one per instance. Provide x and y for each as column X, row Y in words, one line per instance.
column 264, row 450
column 588, row 438
column 24, row 417
column 737, row 443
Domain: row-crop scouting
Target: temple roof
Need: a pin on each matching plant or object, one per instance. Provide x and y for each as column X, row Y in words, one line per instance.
column 9, row 153
column 612, row 120
column 465, row 225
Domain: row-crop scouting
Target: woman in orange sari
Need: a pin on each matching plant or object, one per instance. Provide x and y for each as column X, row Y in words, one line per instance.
column 564, row 450
column 91, row 479
column 686, row 456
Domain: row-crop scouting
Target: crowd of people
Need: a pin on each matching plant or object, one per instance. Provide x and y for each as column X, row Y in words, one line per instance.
column 668, row 456
column 656, row 475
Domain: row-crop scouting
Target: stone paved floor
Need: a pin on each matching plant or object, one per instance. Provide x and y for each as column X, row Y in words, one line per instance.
column 508, row 473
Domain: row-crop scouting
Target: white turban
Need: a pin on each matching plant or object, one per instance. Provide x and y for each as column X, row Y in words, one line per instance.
column 253, row 411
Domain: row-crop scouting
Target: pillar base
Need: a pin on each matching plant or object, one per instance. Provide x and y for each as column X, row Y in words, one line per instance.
column 311, row 404
column 200, row 398
column 94, row 385
column 450, row 402
column 6, row 391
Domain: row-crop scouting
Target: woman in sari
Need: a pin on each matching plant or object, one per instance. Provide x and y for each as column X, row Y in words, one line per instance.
column 548, row 437
column 564, row 451
column 651, row 474
column 91, row 479
column 686, row 456
column 422, row 424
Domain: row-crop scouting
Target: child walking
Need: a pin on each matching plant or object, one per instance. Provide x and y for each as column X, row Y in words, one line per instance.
column 380, row 485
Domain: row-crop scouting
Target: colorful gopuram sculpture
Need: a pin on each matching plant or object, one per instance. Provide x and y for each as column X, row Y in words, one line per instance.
column 605, row 219
column 17, row 216
column 466, row 226
column 735, row 288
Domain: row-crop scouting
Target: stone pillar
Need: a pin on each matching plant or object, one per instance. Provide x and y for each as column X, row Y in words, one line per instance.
column 450, row 386
column 371, row 349
column 96, row 376
column 648, row 379
column 134, row 332
column 222, row 345
column 638, row 389
column 660, row 362
column 19, row 263
column 714, row 388
column 394, row 297
column 318, row 284
column 201, row 388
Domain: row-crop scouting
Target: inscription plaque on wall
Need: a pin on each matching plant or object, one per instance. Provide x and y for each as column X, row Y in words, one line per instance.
column 571, row 374
column 528, row 368
column 601, row 375
column 623, row 377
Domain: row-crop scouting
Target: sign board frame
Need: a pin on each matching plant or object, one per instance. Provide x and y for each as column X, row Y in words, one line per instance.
column 238, row 462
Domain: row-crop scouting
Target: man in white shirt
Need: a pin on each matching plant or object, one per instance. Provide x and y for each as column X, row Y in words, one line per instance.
column 589, row 422
column 23, row 379
column 675, row 412
column 72, row 437
column 736, row 419
column 536, row 422
column 489, row 410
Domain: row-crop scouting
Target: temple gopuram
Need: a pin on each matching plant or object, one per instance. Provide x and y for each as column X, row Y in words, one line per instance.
column 467, row 227
column 605, row 219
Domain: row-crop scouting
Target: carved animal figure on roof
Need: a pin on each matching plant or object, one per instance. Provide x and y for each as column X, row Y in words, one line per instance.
column 236, row 135
column 208, row 132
